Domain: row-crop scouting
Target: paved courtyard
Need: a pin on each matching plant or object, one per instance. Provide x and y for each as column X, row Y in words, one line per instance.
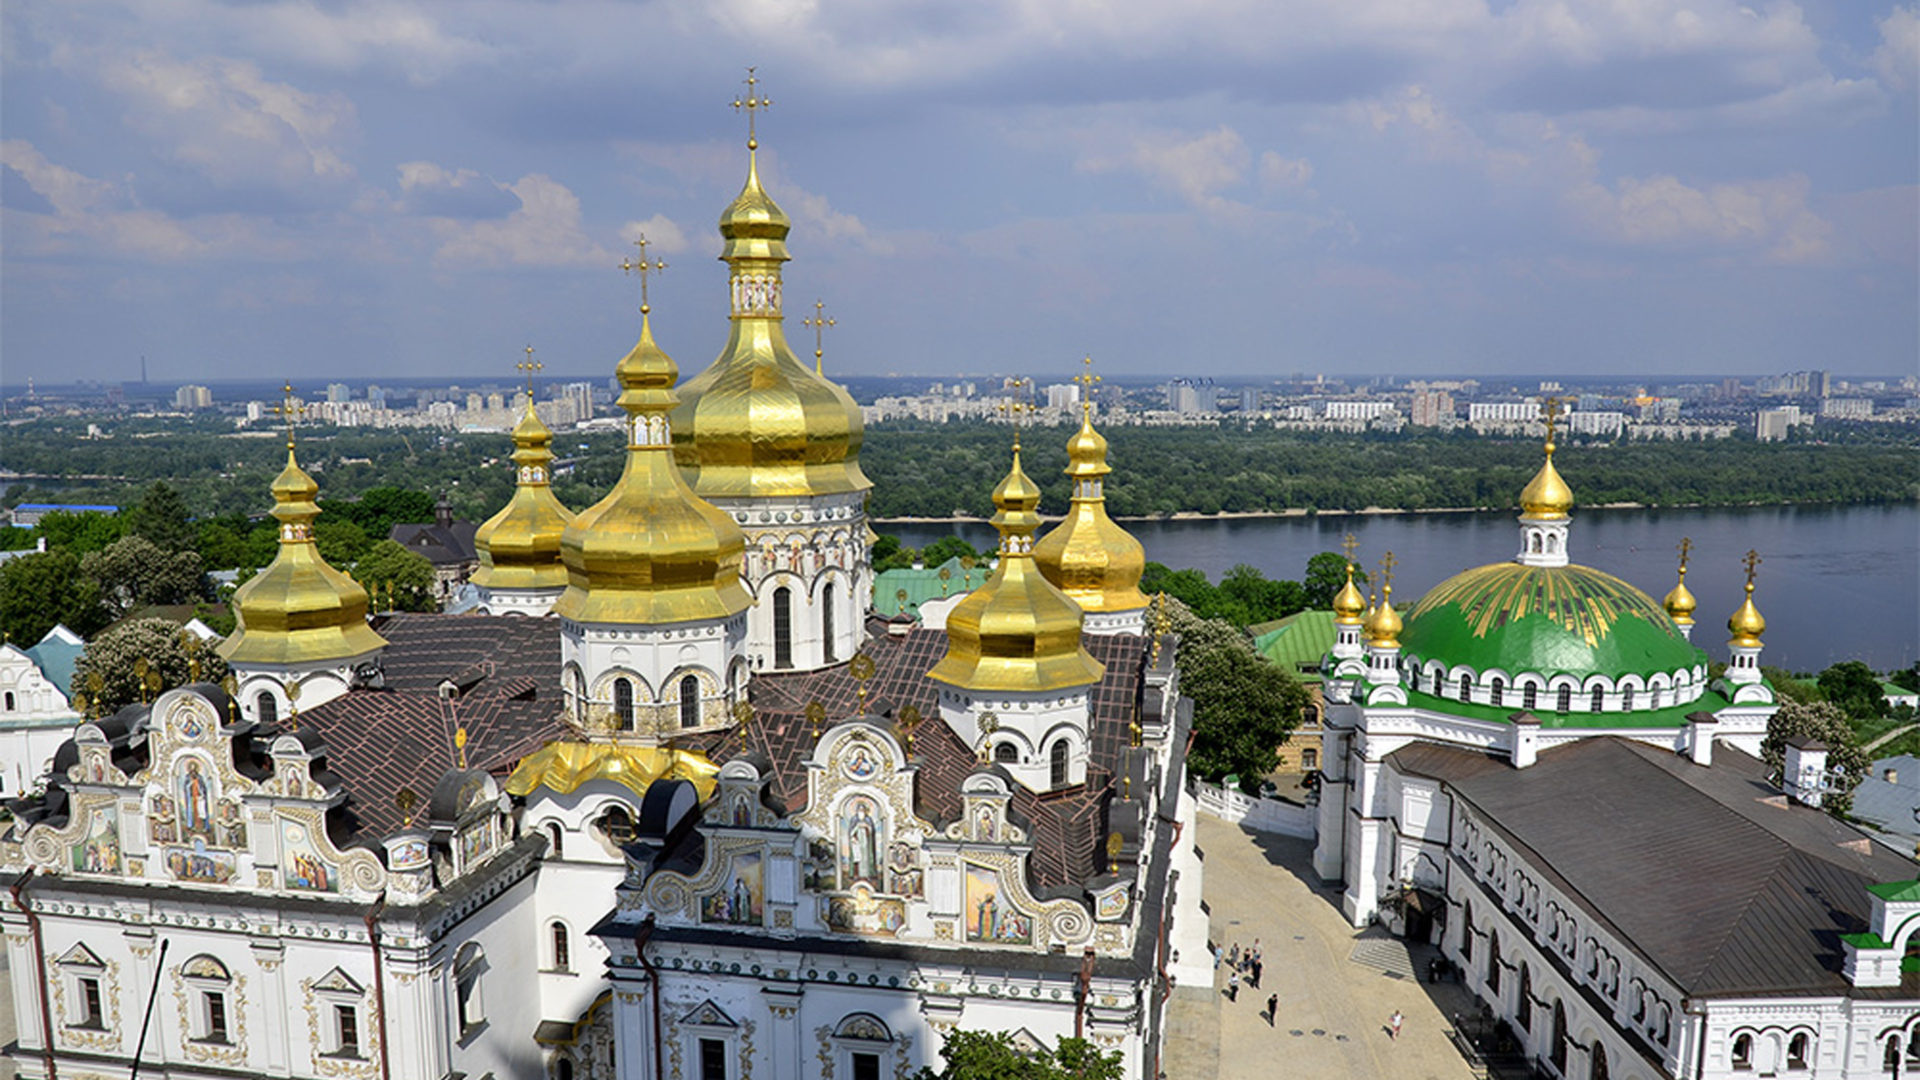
column 1336, row 987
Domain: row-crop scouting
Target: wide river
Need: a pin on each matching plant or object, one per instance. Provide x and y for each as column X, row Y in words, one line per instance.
column 1835, row 583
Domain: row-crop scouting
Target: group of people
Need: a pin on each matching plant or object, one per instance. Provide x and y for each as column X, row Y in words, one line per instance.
column 1245, row 963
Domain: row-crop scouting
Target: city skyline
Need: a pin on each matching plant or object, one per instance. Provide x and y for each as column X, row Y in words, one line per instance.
column 1662, row 189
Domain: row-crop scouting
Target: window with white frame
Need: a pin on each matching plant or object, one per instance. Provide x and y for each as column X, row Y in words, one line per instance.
column 469, row 964
column 83, row 974
column 210, row 986
column 561, row 946
column 861, row 1042
column 340, row 998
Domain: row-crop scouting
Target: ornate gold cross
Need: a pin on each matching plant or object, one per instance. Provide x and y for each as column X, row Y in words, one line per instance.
column 751, row 104
column 642, row 267
column 530, row 365
column 1349, row 544
column 1016, row 411
column 1686, row 549
column 289, row 408
column 1752, row 563
column 1087, row 379
column 819, row 323
column 1387, row 563
column 1550, row 413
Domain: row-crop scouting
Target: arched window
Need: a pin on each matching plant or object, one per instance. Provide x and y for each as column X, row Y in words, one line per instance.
column 1523, row 1009
column 468, row 965
column 1599, row 700
column 9, row 701
column 1626, row 699
column 690, row 701
column 1493, row 963
column 553, row 840
column 783, row 627
column 1558, row 1055
column 1499, row 691
column 562, row 949
column 266, row 707
column 1743, row 1051
column 1310, row 714
column 1466, row 932
column 579, row 685
column 826, row 622
column 1797, row 1051
column 1466, row 688
column 1564, row 704
column 1599, row 1069
column 564, row 1070
column 1530, row 697
column 623, row 703
column 1007, row 753
column 1058, row 764
column 1309, row 758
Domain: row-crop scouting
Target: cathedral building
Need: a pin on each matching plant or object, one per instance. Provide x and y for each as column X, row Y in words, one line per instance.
column 1535, row 768
column 672, row 803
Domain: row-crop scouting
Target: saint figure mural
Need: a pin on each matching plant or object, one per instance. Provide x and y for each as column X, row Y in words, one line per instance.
column 196, row 811
column 860, row 843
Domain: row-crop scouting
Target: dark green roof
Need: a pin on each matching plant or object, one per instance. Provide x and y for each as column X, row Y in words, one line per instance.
column 925, row 584
column 1896, row 891
column 1673, row 717
column 1571, row 619
column 1298, row 642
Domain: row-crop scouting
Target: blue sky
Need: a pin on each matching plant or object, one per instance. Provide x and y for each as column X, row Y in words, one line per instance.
column 1225, row 187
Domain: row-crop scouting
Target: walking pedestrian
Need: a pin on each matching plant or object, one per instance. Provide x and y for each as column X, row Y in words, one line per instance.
column 1273, row 1008
column 1255, row 980
column 1393, row 1026
column 1233, row 985
column 1233, row 956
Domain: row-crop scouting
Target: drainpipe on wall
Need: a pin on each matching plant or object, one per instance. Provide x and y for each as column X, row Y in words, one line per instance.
column 653, row 976
column 1086, row 991
column 18, row 889
column 379, row 982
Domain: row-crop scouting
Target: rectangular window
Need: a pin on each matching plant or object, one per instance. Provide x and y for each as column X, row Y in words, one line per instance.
column 216, row 1004
column 866, row 1067
column 347, row 1020
column 91, row 1015
column 713, row 1059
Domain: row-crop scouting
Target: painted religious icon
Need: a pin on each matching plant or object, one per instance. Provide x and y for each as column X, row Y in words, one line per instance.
column 160, row 823
column 990, row 915
column 742, row 810
column 98, row 852
column 862, row 763
column 199, row 863
column 301, row 866
column 860, row 843
column 863, row 913
column 740, row 899
column 233, row 827
column 475, row 843
column 983, row 823
column 196, row 801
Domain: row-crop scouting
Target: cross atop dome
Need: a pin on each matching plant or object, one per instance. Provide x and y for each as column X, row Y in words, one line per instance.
column 630, row 266
column 751, row 104
column 288, row 408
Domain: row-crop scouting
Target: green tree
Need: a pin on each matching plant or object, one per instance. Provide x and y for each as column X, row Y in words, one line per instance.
column 390, row 564
column 1788, row 687
column 45, row 588
column 1243, row 706
column 991, row 1055
column 947, row 547
column 1326, row 573
column 1824, row 721
column 341, row 543
column 1853, row 686
column 888, row 554
column 162, row 518
column 133, row 573
column 82, row 533
column 1907, row 678
column 222, row 547
column 171, row 655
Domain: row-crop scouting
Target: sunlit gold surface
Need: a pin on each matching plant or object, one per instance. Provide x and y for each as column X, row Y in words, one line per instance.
column 1680, row 603
column 652, row 551
column 1746, row 624
column 758, row 422
column 1349, row 607
column 1016, row 632
column 298, row 610
column 520, row 546
column 1546, row 497
column 561, row 767
column 1385, row 626
column 1088, row 556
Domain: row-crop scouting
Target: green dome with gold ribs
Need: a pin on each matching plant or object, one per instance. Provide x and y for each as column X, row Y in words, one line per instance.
column 1546, row 619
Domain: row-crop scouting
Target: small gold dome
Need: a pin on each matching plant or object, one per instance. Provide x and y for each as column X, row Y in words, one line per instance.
column 1680, row 603
column 1546, row 497
column 1746, row 623
column 1349, row 607
column 1383, row 629
column 651, row 551
column 299, row 610
column 520, row 546
column 1088, row 556
column 1016, row 632
column 758, row 422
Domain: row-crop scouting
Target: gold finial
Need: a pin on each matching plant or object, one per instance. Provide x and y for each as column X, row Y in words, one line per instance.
column 989, row 723
column 96, row 685
column 819, row 322
column 406, row 801
column 140, row 669
column 460, row 743
column 1087, row 380
column 154, row 684
column 293, row 706
column 743, row 722
column 81, row 703
column 1017, row 411
column 861, row 668
column 1349, row 544
column 752, row 104
column 1550, row 413
column 1747, row 624
column 1752, row 563
column 1387, row 563
column 288, row 408
column 1134, row 733
column 1680, row 603
column 630, row 266
column 530, row 365
column 816, row 712
column 909, row 722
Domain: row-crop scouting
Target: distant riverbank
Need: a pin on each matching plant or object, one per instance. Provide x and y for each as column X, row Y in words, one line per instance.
column 1384, row 511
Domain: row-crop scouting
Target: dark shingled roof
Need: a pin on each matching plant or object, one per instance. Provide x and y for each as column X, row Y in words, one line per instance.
column 422, row 650
column 442, row 545
column 1700, row 869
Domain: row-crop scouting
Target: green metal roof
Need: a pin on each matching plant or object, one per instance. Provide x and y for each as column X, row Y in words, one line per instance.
column 1896, row 891
column 924, row 585
column 1298, row 642
column 1550, row 620
column 1673, row 717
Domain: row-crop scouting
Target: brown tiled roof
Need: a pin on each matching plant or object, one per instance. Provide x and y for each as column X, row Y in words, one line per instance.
column 423, row 649
column 1697, row 867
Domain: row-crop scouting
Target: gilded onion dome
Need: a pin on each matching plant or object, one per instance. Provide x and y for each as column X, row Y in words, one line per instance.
column 520, row 546
column 1746, row 623
column 1680, row 603
column 1088, row 556
column 1349, row 607
column 1546, row 497
column 299, row 610
column 1383, row 629
column 1017, row 632
column 651, row 551
column 758, row 422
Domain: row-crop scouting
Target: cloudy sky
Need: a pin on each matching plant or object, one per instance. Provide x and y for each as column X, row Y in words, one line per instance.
column 1228, row 187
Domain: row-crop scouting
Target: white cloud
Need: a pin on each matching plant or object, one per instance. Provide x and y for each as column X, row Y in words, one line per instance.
column 97, row 216
column 357, row 34
column 1284, row 172
column 228, row 121
column 1195, row 167
column 1898, row 57
column 545, row 232
column 662, row 233
column 427, row 175
column 1770, row 216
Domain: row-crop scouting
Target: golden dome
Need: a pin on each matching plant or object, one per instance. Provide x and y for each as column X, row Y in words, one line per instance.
column 1016, row 632
column 651, row 551
column 1349, row 607
column 1088, row 556
column 758, row 422
column 520, row 546
column 1680, row 602
column 1383, row 629
column 1546, row 497
column 1746, row 623
column 562, row 767
column 299, row 610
